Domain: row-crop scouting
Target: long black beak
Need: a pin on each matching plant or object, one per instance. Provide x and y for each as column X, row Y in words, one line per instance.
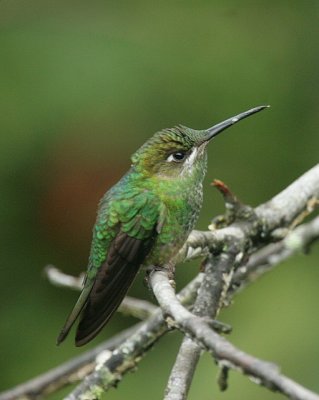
column 216, row 129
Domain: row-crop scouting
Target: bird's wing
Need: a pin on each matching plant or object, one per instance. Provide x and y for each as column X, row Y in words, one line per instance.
column 136, row 223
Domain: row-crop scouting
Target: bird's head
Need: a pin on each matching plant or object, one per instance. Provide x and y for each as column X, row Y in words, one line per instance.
column 177, row 152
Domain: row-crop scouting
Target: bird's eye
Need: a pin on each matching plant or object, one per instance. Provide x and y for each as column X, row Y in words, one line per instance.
column 178, row 156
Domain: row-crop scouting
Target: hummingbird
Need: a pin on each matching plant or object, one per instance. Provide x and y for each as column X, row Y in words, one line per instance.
column 144, row 219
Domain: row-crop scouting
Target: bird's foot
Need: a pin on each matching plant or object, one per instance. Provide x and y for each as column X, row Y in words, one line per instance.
column 170, row 269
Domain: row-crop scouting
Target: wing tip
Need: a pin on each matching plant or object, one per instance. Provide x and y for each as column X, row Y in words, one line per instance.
column 62, row 335
column 84, row 336
column 79, row 342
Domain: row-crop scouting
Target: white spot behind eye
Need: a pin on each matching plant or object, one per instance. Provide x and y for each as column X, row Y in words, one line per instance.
column 188, row 164
column 192, row 156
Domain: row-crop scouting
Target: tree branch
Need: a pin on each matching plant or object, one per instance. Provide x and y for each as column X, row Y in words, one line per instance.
column 71, row 371
column 217, row 277
column 293, row 204
column 262, row 261
column 185, row 364
column 259, row 264
column 67, row 373
column 249, row 234
column 126, row 356
column 262, row 372
column 269, row 222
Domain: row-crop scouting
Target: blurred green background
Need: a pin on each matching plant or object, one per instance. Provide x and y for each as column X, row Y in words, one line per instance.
column 82, row 86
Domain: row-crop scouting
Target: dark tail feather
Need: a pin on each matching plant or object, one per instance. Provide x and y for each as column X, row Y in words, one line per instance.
column 108, row 291
column 74, row 313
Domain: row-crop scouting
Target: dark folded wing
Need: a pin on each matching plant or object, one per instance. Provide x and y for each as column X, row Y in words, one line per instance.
column 114, row 277
column 123, row 236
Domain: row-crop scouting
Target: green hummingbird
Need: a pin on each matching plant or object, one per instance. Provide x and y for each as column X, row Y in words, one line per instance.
column 144, row 219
